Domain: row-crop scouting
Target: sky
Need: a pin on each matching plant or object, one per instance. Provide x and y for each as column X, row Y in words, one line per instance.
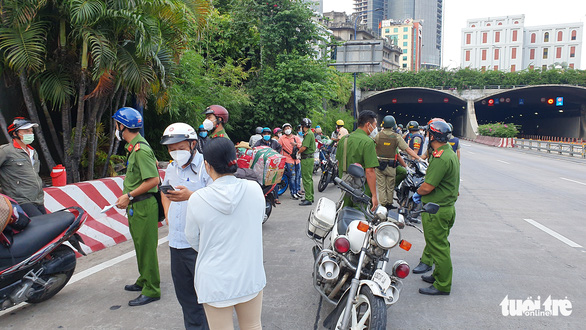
column 457, row 12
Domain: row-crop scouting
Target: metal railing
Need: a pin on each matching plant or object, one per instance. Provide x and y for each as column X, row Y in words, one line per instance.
column 561, row 148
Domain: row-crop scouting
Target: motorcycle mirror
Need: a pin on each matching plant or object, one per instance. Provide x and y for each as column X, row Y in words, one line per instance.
column 431, row 208
column 381, row 212
column 356, row 170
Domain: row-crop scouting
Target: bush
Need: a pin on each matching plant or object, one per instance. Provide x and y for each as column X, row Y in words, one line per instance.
column 499, row 130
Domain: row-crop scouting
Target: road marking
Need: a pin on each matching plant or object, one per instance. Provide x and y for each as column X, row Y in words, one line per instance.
column 578, row 182
column 554, row 234
column 502, row 161
column 466, row 145
column 470, row 152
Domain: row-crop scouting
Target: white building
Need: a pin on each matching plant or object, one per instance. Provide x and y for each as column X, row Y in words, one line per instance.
column 504, row 43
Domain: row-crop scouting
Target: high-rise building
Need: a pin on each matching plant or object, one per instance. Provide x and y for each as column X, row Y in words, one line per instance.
column 317, row 6
column 407, row 35
column 505, row 44
column 371, row 12
column 430, row 14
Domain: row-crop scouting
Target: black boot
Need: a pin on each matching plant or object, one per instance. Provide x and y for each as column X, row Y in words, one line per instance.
column 421, row 268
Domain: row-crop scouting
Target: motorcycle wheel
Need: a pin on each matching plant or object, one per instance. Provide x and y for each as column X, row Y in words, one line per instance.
column 369, row 312
column 268, row 209
column 282, row 186
column 323, row 182
column 59, row 279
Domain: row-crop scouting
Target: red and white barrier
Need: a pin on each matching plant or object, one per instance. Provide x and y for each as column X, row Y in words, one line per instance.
column 495, row 141
column 506, row 143
column 100, row 230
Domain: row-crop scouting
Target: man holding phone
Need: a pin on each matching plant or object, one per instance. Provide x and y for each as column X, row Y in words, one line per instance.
column 183, row 176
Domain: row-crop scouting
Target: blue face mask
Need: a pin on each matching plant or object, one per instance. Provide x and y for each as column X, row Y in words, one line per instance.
column 203, row 134
column 266, row 137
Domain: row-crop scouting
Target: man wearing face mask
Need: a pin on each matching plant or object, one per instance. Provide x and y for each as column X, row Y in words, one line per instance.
column 307, row 150
column 185, row 174
column 202, row 138
column 216, row 118
column 138, row 198
column 291, row 143
column 361, row 149
column 267, row 141
column 19, row 168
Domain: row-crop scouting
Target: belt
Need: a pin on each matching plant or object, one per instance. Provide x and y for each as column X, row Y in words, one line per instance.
column 142, row 197
column 303, row 156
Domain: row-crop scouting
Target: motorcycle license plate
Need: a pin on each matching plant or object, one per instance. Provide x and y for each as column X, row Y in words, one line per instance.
column 382, row 279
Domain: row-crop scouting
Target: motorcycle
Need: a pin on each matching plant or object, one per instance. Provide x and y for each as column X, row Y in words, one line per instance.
column 269, row 191
column 36, row 265
column 407, row 188
column 329, row 171
column 350, row 271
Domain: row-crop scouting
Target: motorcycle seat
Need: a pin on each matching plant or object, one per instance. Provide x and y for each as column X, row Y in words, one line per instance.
column 41, row 230
column 347, row 215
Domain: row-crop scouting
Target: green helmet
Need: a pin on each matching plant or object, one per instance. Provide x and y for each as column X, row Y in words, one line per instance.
column 389, row 122
column 413, row 126
column 400, row 125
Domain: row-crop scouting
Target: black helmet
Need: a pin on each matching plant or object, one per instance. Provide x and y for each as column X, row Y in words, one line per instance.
column 389, row 122
column 440, row 131
column 413, row 126
column 258, row 130
column 306, row 122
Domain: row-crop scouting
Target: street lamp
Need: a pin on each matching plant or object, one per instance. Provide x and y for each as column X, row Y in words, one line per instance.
column 355, row 100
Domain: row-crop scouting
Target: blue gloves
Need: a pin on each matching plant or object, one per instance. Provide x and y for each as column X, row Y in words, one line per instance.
column 417, row 198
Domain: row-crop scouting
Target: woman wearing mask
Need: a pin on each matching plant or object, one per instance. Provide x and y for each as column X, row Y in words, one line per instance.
column 267, row 141
column 224, row 224
column 202, row 137
column 185, row 174
column 290, row 141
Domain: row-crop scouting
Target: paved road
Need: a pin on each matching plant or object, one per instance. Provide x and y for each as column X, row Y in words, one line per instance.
column 497, row 251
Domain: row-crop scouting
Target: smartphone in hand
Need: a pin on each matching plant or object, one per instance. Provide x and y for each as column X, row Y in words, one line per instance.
column 165, row 188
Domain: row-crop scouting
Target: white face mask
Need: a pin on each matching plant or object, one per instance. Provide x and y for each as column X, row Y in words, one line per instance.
column 180, row 156
column 208, row 125
column 28, row 138
column 288, row 131
column 374, row 132
column 117, row 134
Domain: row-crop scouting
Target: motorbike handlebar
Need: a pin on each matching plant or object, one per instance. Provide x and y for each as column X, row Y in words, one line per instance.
column 357, row 193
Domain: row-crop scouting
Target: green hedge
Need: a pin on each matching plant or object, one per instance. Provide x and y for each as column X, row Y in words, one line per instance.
column 499, row 130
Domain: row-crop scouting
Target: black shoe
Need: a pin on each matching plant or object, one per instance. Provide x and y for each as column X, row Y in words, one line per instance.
column 421, row 268
column 133, row 287
column 432, row 291
column 428, row 278
column 305, row 202
column 391, row 207
column 415, row 221
column 142, row 300
column 294, row 197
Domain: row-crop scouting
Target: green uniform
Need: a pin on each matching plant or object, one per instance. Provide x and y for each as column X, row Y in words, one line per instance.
column 444, row 174
column 142, row 215
column 387, row 143
column 400, row 175
column 307, row 164
column 220, row 133
column 361, row 150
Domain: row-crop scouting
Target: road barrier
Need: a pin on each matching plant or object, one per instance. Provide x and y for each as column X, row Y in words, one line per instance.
column 574, row 149
column 101, row 229
column 495, row 141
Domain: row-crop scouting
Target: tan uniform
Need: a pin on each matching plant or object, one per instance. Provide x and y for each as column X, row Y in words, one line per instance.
column 387, row 143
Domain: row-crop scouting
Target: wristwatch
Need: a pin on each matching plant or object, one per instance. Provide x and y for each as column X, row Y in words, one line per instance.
column 130, row 198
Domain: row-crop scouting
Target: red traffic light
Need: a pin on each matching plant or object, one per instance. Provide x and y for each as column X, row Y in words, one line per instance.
column 550, row 101
column 394, row 100
column 446, row 100
column 420, row 100
column 490, row 102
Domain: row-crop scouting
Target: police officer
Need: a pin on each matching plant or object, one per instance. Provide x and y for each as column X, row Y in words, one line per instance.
column 185, row 174
column 307, row 150
column 413, row 138
column 361, row 149
column 139, row 187
column 387, row 142
column 216, row 120
column 441, row 186
column 19, row 168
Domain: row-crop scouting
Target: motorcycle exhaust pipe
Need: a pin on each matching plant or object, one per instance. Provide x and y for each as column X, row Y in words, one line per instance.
column 329, row 269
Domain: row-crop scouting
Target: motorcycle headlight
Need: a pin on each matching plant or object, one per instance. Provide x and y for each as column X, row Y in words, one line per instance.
column 387, row 235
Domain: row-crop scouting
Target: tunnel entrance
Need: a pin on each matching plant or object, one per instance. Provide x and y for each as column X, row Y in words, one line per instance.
column 419, row 104
column 542, row 111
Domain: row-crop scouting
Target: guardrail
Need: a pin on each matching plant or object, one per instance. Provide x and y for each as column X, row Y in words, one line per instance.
column 561, row 148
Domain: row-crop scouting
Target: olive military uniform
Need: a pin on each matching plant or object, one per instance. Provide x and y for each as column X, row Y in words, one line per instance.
column 361, row 150
column 220, row 133
column 387, row 143
column 307, row 164
column 444, row 174
column 143, row 214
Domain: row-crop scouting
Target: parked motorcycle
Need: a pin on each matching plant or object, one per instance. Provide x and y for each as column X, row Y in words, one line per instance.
column 350, row 271
column 37, row 265
column 329, row 171
column 269, row 191
column 408, row 187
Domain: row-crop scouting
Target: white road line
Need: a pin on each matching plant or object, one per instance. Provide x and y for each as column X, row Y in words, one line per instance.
column 466, row 145
column 554, row 234
column 502, row 161
column 578, row 182
column 470, row 152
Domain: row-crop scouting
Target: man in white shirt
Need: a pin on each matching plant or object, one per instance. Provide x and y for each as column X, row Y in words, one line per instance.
column 185, row 175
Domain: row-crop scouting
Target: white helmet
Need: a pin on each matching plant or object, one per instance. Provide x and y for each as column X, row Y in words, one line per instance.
column 178, row 132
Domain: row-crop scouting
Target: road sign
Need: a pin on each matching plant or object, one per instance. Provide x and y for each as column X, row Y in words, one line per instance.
column 559, row 101
column 356, row 56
